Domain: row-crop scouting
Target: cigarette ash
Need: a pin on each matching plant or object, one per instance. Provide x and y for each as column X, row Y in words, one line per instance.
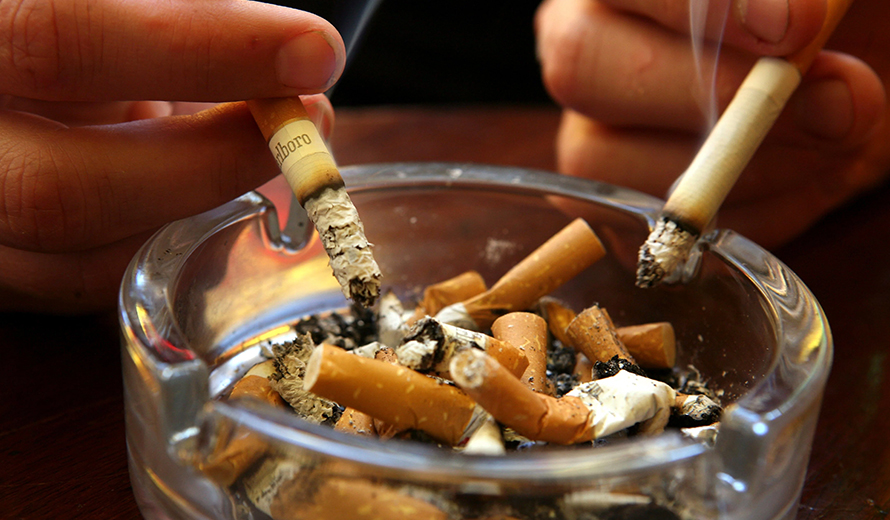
column 287, row 379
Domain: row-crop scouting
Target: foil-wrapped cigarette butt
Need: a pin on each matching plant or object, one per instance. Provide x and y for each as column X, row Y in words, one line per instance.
column 239, row 449
column 593, row 334
column 527, row 332
column 556, row 261
column 394, row 394
column 652, row 345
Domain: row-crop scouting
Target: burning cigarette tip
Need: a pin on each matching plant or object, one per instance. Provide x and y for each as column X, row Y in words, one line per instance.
column 664, row 253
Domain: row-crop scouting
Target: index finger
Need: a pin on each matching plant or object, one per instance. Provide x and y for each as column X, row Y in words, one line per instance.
column 187, row 50
column 762, row 27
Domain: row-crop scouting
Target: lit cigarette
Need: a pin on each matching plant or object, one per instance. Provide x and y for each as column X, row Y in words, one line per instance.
column 590, row 411
column 430, row 346
column 528, row 333
column 593, row 334
column 312, row 174
column 724, row 154
column 236, row 451
column 556, row 261
column 397, row 395
column 440, row 295
column 652, row 345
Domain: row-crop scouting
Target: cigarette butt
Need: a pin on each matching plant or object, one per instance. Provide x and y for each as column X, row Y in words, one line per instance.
column 313, row 176
column 527, row 332
column 693, row 410
column 237, row 450
column 583, row 370
column 534, row 415
column 430, row 345
column 486, row 440
column 558, row 316
column 556, row 261
column 395, row 394
column 392, row 321
column 652, row 345
column 442, row 294
column 622, row 400
column 593, row 334
column 354, row 421
column 285, row 490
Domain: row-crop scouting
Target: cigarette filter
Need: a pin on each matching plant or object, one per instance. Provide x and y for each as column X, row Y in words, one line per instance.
column 237, row 450
column 556, row 261
column 558, row 316
column 440, row 295
column 652, row 345
column 593, row 334
column 533, row 415
column 527, row 332
column 430, row 345
column 310, row 170
column 354, row 421
column 395, row 394
column 287, row 489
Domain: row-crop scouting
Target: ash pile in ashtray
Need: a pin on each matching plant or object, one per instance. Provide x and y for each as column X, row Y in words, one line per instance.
column 479, row 370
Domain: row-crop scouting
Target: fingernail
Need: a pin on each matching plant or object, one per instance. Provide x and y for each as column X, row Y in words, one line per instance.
column 308, row 61
column 825, row 109
column 764, row 19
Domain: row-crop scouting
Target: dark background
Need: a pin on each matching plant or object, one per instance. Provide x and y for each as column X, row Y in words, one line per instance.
column 434, row 52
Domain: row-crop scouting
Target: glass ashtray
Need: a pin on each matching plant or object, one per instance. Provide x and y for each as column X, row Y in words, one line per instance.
column 206, row 296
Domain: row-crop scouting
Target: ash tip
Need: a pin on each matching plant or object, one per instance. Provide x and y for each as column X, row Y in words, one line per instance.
column 364, row 291
column 663, row 253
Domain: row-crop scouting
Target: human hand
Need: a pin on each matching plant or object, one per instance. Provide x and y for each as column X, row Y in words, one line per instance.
column 91, row 164
column 624, row 70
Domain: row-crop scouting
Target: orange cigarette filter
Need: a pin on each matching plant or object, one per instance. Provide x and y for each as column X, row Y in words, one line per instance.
column 354, row 421
column 339, row 498
column 593, row 334
column 558, row 316
column 534, row 415
column 440, row 295
column 299, row 144
column 397, row 395
column 583, row 369
column 653, row 345
column 238, row 449
column 527, row 332
column 556, row 261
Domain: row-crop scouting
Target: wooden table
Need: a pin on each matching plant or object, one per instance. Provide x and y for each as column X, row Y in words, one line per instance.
column 62, row 451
